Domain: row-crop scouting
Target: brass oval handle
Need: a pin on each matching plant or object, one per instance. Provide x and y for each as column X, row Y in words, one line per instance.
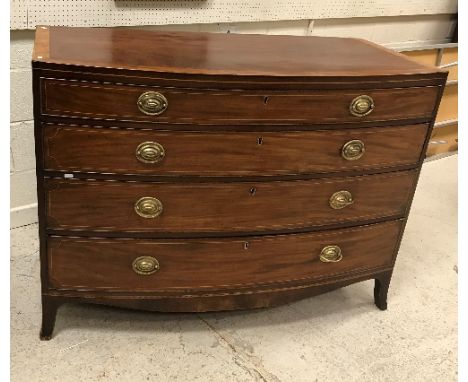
column 145, row 265
column 341, row 199
column 331, row 254
column 150, row 152
column 152, row 103
column 361, row 106
column 353, row 150
column 148, row 207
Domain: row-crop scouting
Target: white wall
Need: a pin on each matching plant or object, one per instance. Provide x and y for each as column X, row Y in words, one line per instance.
column 415, row 29
column 22, row 162
column 29, row 13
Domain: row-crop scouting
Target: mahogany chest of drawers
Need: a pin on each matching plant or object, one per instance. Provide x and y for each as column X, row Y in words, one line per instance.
column 189, row 172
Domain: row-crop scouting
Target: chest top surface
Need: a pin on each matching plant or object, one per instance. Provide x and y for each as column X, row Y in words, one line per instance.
column 219, row 54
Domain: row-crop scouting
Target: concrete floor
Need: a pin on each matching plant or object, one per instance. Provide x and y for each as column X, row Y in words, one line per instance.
column 334, row 337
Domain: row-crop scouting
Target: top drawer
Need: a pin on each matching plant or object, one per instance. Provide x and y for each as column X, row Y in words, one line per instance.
column 170, row 105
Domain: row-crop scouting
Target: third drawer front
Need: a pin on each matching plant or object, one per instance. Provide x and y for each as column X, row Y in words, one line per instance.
column 157, row 265
column 230, row 154
column 225, row 207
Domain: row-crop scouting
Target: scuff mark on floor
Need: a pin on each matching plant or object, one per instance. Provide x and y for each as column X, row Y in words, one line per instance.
column 74, row 346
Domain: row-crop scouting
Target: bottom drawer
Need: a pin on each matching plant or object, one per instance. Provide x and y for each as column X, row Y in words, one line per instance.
column 163, row 265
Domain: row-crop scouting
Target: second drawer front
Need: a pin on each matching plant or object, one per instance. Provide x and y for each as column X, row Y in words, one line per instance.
column 229, row 154
column 224, row 207
column 79, row 263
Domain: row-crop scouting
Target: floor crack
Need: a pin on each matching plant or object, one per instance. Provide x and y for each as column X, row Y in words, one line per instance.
column 181, row 340
column 242, row 359
column 23, row 226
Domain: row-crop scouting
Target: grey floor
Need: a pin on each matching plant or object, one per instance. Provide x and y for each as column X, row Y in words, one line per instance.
column 339, row 336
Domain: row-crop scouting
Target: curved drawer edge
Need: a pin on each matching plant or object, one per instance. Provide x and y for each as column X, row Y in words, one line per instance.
column 249, row 299
column 183, row 268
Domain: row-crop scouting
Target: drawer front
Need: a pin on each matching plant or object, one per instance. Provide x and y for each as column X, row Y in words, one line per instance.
column 69, row 148
column 177, row 264
column 224, row 207
column 119, row 102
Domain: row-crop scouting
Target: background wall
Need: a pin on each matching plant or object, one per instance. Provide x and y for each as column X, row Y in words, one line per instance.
column 394, row 23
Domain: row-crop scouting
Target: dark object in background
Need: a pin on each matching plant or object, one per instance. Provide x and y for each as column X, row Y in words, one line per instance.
column 455, row 32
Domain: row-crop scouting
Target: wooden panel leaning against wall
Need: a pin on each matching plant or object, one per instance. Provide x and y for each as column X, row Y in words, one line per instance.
column 444, row 137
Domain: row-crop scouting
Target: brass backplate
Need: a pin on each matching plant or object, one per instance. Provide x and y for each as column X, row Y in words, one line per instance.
column 341, row 199
column 152, row 103
column 331, row 254
column 361, row 106
column 353, row 150
column 145, row 265
column 150, row 152
column 148, row 207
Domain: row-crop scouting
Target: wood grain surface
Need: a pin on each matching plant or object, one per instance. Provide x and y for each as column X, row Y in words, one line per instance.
column 118, row 102
column 224, row 207
column 112, row 151
column 219, row 53
column 204, row 264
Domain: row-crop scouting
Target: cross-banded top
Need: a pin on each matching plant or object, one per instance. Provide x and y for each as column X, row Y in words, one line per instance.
column 219, row 54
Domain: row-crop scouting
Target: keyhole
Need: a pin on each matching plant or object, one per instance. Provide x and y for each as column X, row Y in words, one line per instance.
column 265, row 100
column 246, row 245
column 252, row 191
column 259, row 140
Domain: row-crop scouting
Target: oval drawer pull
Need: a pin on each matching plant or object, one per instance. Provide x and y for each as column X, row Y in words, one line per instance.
column 353, row 150
column 331, row 254
column 361, row 106
column 148, row 207
column 152, row 103
column 341, row 199
column 145, row 265
column 150, row 152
